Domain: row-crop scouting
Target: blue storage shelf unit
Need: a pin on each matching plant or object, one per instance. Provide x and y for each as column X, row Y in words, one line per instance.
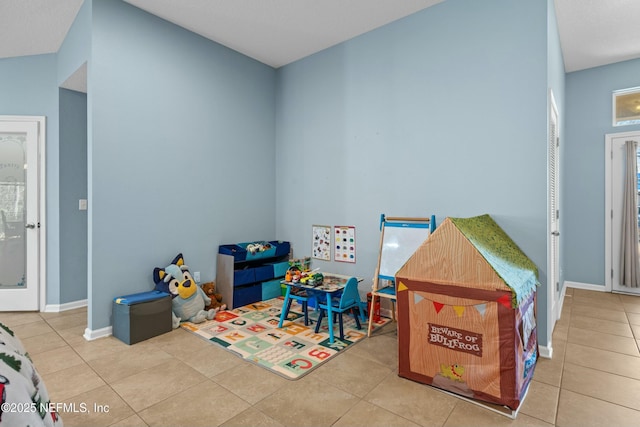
column 244, row 277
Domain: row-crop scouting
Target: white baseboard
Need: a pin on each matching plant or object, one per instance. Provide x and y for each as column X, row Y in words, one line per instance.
column 545, row 351
column 57, row 308
column 586, row 286
column 560, row 303
column 91, row 335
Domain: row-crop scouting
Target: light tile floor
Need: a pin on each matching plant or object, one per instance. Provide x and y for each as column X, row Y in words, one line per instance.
column 179, row 379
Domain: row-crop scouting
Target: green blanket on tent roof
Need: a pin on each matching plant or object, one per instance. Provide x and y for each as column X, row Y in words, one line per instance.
column 502, row 253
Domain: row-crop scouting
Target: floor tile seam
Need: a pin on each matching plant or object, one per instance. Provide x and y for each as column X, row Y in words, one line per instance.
column 122, row 398
column 596, row 398
column 363, row 358
column 637, row 354
column 604, row 372
column 347, row 391
column 590, row 316
column 600, row 332
column 631, row 326
column 171, row 396
column 601, row 320
column 602, row 349
column 377, row 406
column 240, row 397
column 458, row 402
column 563, row 359
column 13, row 326
column 599, row 305
column 53, row 327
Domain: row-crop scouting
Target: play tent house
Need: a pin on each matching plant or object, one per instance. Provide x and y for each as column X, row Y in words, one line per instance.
column 466, row 313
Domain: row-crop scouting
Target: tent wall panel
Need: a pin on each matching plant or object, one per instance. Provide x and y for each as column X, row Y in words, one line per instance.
column 468, row 338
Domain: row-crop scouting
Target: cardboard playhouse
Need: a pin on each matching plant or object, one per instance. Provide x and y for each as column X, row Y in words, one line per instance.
column 467, row 313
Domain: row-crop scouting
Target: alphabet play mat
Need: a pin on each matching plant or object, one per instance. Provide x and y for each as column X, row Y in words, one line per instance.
column 292, row 351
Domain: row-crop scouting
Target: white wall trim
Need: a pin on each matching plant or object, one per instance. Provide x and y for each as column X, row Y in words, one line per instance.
column 552, row 295
column 560, row 302
column 545, row 351
column 586, row 286
column 91, row 335
column 57, row 308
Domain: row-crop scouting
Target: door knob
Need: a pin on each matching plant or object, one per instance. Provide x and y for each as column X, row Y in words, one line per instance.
column 555, row 233
column 30, row 225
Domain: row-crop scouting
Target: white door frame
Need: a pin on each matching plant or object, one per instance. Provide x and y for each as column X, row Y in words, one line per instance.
column 42, row 254
column 554, row 301
column 608, row 204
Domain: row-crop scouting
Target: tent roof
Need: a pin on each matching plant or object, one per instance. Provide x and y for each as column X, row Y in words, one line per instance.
column 473, row 252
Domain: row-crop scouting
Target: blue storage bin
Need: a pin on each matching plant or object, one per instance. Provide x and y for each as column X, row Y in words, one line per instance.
column 244, row 295
column 243, row 277
column 268, row 253
column 240, row 253
column 282, row 248
column 270, row 289
column 264, row 272
column 279, row 268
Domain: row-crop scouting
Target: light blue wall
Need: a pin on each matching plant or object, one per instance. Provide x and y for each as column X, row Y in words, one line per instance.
column 73, row 186
column 76, row 48
column 192, row 145
column 28, row 87
column 68, row 226
column 443, row 112
column 181, row 151
column 588, row 120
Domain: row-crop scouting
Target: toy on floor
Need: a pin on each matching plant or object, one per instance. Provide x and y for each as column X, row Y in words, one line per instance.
column 188, row 299
column 216, row 299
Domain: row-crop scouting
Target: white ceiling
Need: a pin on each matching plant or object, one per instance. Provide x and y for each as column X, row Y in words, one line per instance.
column 277, row 32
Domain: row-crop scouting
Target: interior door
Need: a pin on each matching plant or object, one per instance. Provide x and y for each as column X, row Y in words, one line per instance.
column 19, row 215
column 554, row 213
column 616, row 146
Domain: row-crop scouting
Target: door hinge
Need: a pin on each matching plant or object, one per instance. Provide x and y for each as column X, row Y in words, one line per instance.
column 557, row 213
column 612, row 273
column 557, row 286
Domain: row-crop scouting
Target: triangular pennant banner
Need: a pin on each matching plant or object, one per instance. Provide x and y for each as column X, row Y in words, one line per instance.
column 437, row 306
column 417, row 298
column 459, row 309
column 481, row 308
column 505, row 300
column 402, row 287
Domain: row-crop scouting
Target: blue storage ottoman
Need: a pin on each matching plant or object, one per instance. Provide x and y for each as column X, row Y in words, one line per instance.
column 138, row 317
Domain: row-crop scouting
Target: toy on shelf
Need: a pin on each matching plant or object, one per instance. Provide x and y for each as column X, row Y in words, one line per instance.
column 188, row 299
column 256, row 247
column 302, row 264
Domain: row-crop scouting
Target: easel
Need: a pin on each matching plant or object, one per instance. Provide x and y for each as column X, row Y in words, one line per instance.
column 399, row 239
